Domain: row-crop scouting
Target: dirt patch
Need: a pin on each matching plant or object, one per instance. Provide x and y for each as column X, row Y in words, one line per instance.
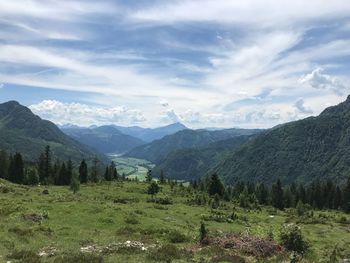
column 250, row 245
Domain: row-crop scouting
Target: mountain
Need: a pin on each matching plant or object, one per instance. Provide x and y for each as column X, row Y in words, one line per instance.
column 189, row 164
column 148, row 134
column 22, row 131
column 305, row 150
column 105, row 139
column 158, row 150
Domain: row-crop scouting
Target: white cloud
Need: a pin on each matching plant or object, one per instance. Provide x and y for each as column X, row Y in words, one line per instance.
column 320, row 81
column 300, row 105
column 85, row 115
column 1, row 85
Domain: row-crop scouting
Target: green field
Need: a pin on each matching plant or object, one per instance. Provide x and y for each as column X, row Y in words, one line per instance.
column 132, row 167
column 116, row 222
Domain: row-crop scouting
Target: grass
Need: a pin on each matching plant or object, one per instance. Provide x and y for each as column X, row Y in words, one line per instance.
column 102, row 218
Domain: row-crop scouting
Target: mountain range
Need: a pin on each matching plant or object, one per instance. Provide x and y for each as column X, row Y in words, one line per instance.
column 105, row 139
column 311, row 149
column 158, row 150
column 22, row 131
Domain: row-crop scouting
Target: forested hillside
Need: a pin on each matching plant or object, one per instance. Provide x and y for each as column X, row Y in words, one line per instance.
column 22, row 131
column 305, row 150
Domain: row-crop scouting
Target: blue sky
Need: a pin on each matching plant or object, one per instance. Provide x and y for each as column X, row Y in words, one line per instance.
column 205, row 63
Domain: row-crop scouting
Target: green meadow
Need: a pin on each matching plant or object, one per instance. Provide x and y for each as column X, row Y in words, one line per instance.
column 120, row 222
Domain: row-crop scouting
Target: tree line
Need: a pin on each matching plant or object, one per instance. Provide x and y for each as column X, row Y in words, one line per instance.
column 318, row 194
column 46, row 171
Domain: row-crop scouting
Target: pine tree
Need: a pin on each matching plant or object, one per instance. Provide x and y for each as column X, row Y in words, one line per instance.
column 69, row 171
column 94, row 170
column 75, row 183
column 262, row 194
column 47, row 159
column 115, row 175
column 346, row 197
column 202, row 233
column 32, row 177
column 162, row 179
column 16, row 169
column 4, row 165
column 153, row 189
column 106, row 175
column 83, row 172
column 337, row 201
column 216, row 186
column 277, row 195
column 149, row 176
column 62, row 177
column 41, row 167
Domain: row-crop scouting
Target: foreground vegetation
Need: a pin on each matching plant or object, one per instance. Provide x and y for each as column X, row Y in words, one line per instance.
column 122, row 222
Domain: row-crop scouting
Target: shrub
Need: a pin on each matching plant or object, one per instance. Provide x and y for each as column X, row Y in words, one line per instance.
column 132, row 220
column 176, row 236
column 292, row 239
column 165, row 253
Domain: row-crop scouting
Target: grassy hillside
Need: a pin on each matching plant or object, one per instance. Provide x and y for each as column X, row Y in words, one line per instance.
column 105, row 139
column 117, row 223
column 158, row 150
column 24, row 132
column 190, row 164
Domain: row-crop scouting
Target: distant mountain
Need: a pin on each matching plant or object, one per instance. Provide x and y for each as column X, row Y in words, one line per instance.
column 151, row 134
column 22, row 131
column 105, row 139
column 158, row 150
column 189, row 164
column 306, row 150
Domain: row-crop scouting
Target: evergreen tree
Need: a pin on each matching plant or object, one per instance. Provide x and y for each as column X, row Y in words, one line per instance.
column 346, row 197
column 41, row 167
column 262, row 194
column 162, row 179
column 94, row 170
column 16, row 169
column 289, row 199
column 107, row 176
column 216, row 186
column 153, row 189
column 47, row 159
column 32, row 177
column 83, row 172
column 202, row 233
column 4, row 165
column 69, row 171
column 149, row 176
column 115, row 175
column 75, row 183
column 337, row 201
column 62, row 177
column 277, row 195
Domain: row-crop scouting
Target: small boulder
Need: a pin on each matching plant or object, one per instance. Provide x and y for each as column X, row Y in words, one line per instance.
column 45, row 192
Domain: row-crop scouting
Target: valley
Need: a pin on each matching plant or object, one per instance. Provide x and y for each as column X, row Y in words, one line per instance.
column 132, row 167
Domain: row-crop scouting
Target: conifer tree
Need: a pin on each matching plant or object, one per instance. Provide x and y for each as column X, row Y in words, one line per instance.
column 32, row 177
column 262, row 194
column 75, row 183
column 162, row 179
column 16, row 169
column 149, row 176
column 216, row 186
column 94, row 170
column 83, row 172
column 4, row 165
column 62, row 177
column 346, row 197
column 277, row 196
column 153, row 189
column 337, row 201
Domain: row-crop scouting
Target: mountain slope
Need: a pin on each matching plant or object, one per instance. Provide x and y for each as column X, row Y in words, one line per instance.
column 105, row 139
column 148, row 134
column 189, row 164
column 305, row 150
column 157, row 151
column 22, row 131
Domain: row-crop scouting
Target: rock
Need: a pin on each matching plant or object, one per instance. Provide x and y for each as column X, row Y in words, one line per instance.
column 45, row 192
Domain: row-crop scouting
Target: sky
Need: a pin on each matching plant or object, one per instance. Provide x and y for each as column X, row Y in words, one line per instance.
column 205, row 63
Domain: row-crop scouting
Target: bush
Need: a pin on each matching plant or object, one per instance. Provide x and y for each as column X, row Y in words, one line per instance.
column 176, row 236
column 131, row 219
column 165, row 253
column 292, row 239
